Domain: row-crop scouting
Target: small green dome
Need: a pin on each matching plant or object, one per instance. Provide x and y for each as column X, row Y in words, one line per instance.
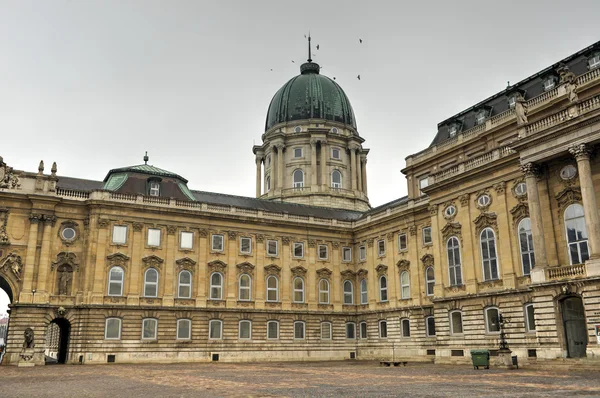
column 310, row 95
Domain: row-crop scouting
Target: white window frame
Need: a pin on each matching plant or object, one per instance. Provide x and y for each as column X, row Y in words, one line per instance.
column 155, row 336
column 319, row 247
column 549, row 83
column 210, row 329
column 429, row 281
column 452, row 130
column 277, row 329
column 519, row 191
column 245, row 288
column 381, row 247
column 326, row 326
column 594, row 61
column 462, row 326
column 428, row 328
column 361, row 330
column 297, row 184
column 150, row 284
column 275, row 289
column 245, row 239
column 339, row 152
column 402, row 247
column 424, row 236
column 423, row 183
column 120, row 282
column 405, row 285
column 115, row 234
column 154, row 188
column 454, row 261
column 296, row 290
column 296, row 156
column 348, row 294
column 299, row 245
column 303, row 328
column 216, row 286
column 189, row 235
column 383, row 290
column 214, row 239
column 490, row 262
column 325, row 292
column 579, row 227
column 383, row 332
column 364, row 292
column 402, row 322
column 269, row 252
column 350, row 326
column 120, row 323
column 346, row 258
column 245, row 322
column 526, row 308
column 362, row 253
column 189, row 323
column 480, row 117
column 335, row 184
column 487, row 320
column 184, row 285
column 154, row 234
column 527, row 253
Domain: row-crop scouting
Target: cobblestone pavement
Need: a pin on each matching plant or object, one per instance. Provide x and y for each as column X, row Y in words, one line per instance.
column 325, row 379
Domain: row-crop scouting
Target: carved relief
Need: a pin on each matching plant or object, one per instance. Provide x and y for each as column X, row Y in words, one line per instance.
column 245, row 268
column 381, row 269
column 370, row 242
column 464, row 200
column 65, row 258
column 427, row 260
column 185, row 263
column 312, row 243
column 103, row 222
column 490, row 285
column 3, row 223
column 348, row 274
column 500, row 188
column 117, row 259
column 232, row 234
column 362, row 273
column 171, row 229
column 452, row 229
column 285, row 240
column 433, row 209
column 455, row 289
column 568, row 196
column 299, row 271
column 217, row 266
column 335, row 245
column 412, row 230
column 8, row 178
column 403, row 265
column 138, row 226
column 203, row 233
column 485, row 220
column 13, row 262
column 152, row 261
column 519, row 212
column 272, row 269
column 260, row 238
column 324, row 273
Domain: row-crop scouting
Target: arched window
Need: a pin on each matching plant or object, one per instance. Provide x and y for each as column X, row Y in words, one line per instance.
column 526, row 245
column 577, row 239
column 405, row 327
column 112, row 329
column 185, row 285
column 364, row 295
column 245, row 330
column 298, row 290
column 184, row 329
column 272, row 330
column 299, row 330
column 115, row 281
column 454, row 264
column 298, row 178
column 215, row 329
column 216, row 286
column 491, row 320
column 383, row 296
column 245, row 288
column 363, row 330
column 348, row 292
column 323, row 291
column 456, row 322
column 405, row 284
column 272, row 288
column 268, row 184
column 149, row 328
column 151, row 283
column 488, row 255
column 430, row 326
column 429, row 280
column 383, row 329
column 336, row 179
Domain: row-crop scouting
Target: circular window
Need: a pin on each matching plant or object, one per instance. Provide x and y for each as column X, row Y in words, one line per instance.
column 521, row 189
column 68, row 233
column 450, row 211
column 298, row 129
column 334, row 130
column 484, row 200
column 568, row 172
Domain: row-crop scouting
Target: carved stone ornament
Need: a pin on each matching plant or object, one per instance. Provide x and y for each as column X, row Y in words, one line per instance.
column 478, row 200
column 412, row 230
column 203, row 233
column 152, row 261
column 171, row 229
column 245, row 268
column 8, row 178
column 312, row 243
column 272, row 269
column 138, row 226
column 324, row 273
column 519, row 212
column 455, row 289
column 370, row 242
column 232, row 234
column 348, row 274
column 381, row 269
column 362, row 273
column 68, row 224
column 464, row 200
column 185, row 263
column 427, row 260
column 61, row 312
column 35, row 218
column 568, row 196
column 103, row 222
column 65, row 258
column 390, row 236
column 515, row 184
column 217, row 266
column 117, row 259
column 13, row 262
column 452, row 229
column 285, row 240
column 403, row 265
column 531, row 170
column 500, row 188
column 485, row 220
column 433, row 209
column 450, row 210
column 3, row 223
column 49, row 219
column 29, row 338
column 260, row 238
column 335, row 245
column 299, row 271
column 581, row 151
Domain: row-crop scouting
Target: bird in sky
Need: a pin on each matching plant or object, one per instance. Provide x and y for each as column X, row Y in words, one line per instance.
column 334, row 78
column 271, row 70
column 358, row 77
column 293, row 61
column 360, row 40
column 317, row 46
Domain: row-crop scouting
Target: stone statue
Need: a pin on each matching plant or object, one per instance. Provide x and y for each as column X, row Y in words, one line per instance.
column 29, row 338
column 520, row 109
column 65, row 274
column 14, row 262
column 569, row 80
column 8, row 179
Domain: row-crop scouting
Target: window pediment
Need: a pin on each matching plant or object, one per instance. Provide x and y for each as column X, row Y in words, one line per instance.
column 245, row 268
column 519, row 212
column 452, row 229
column 403, row 265
column 427, row 260
column 217, row 266
column 348, row 274
column 272, row 269
column 152, row 261
column 485, row 220
column 185, row 263
column 324, row 273
column 299, row 271
column 117, row 259
column 568, row 196
column 381, row 269
column 66, row 258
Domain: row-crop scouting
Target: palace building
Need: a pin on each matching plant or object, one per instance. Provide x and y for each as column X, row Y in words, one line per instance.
column 500, row 232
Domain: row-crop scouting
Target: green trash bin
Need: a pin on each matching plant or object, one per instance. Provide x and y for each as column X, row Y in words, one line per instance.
column 480, row 358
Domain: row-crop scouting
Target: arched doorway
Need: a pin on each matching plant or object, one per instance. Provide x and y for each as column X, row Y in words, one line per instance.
column 6, row 297
column 573, row 316
column 57, row 341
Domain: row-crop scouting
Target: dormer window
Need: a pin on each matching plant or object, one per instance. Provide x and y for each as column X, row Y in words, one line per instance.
column 481, row 116
column 452, row 130
column 549, row 83
column 154, row 188
column 512, row 100
column 594, row 61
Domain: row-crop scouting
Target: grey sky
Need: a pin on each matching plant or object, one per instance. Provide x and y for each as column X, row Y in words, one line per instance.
column 93, row 84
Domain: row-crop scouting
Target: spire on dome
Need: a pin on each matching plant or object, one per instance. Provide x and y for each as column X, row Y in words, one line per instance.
column 309, row 66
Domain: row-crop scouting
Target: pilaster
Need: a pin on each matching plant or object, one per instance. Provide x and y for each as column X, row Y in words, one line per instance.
column 42, row 294
column 26, row 295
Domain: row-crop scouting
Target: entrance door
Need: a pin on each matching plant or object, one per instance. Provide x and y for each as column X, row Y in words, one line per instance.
column 57, row 341
column 575, row 328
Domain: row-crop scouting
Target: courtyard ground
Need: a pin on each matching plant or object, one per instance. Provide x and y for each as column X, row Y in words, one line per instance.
column 326, row 379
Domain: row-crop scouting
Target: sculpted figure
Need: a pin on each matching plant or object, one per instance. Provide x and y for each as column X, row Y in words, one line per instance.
column 14, row 262
column 29, row 338
column 569, row 80
column 64, row 280
column 520, row 109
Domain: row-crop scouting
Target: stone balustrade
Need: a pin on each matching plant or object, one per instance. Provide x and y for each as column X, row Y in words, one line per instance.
column 566, row 272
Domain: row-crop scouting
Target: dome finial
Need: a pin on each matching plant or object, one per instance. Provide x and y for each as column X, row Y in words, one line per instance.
column 146, row 158
column 309, row 58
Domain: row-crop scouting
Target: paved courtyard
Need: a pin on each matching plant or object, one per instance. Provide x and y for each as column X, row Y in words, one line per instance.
column 291, row 379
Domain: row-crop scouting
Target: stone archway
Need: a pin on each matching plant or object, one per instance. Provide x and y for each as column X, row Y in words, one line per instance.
column 574, row 326
column 57, row 341
column 6, row 288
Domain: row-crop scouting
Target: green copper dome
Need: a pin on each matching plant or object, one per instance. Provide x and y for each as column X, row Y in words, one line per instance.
column 310, row 95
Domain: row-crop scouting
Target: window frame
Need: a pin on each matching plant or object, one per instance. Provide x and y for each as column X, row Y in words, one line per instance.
column 490, row 260
column 269, row 253
column 348, row 293
column 297, row 184
column 158, row 233
column 339, row 152
column 300, row 291
column 428, row 326
column 529, row 252
column 350, row 326
column 245, row 238
column 487, row 320
column 276, row 289
column 528, row 328
column 147, row 284
column 189, row 322
column 154, row 188
column 362, row 253
column 404, row 321
column 423, row 186
column 214, row 237
column 329, row 327
column 364, row 293
column 296, row 153
column 383, row 332
column 429, row 281
column 362, row 335
column 272, row 321
column 181, row 240
column 106, row 328
column 383, row 290
column 451, row 320
column 405, row 285
column 120, row 226
column 381, row 247
column 219, row 286
column 155, row 320
column 346, row 249
column 319, row 256
column 180, row 284
column 578, row 242
column 424, row 235
column 245, row 288
column 324, row 291
column 335, row 184
column 297, row 323
column 453, row 251
column 298, row 245
column 402, row 247
column 245, row 322
column 210, row 329
column 121, row 282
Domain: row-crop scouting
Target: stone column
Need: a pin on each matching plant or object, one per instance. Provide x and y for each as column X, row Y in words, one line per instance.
column 359, row 184
column 364, row 174
column 353, row 170
column 582, row 154
column 28, row 270
column 169, row 277
column 274, row 176
column 43, row 295
column 532, row 172
column 258, row 176
column 324, row 178
column 280, row 175
column 313, row 165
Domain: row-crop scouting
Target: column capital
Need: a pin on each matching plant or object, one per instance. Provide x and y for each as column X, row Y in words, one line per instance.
column 314, row 142
column 580, row 151
column 363, row 159
column 531, row 170
column 259, row 159
column 50, row 220
column 35, row 218
column 279, row 146
column 353, row 147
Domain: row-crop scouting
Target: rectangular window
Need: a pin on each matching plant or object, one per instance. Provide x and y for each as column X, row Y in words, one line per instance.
column 430, row 324
column 154, row 188
column 381, row 247
column 402, row 242
column 456, row 325
column 363, row 330
column 299, row 330
column 298, row 249
column 405, row 328
column 149, row 329
column 423, row 183
column 323, row 252
column 491, row 320
column 119, row 234
column 350, row 330
column 112, row 329
column 427, row 240
column 153, row 237
column 186, row 240
column 245, row 332
column 272, row 330
column 184, row 329
column 245, row 245
column 326, row 331
column 594, row 62
column 549, row 84
column 529, row 318
column 271, row 248
column 335, row 153
column 346, row 254
column 297, row 152
column 383, row 329
column 215, row 329
column 217, row 243
column 362, row 253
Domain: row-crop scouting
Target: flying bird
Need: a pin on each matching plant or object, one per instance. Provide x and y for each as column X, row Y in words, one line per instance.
column 293, row 61
column 358, row 77
column 334, row 78
column 305, row 36
column 271, row 70
column 317, row 46
column 360, row 40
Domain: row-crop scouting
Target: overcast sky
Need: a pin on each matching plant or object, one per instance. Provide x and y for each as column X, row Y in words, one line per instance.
column 94, row 84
